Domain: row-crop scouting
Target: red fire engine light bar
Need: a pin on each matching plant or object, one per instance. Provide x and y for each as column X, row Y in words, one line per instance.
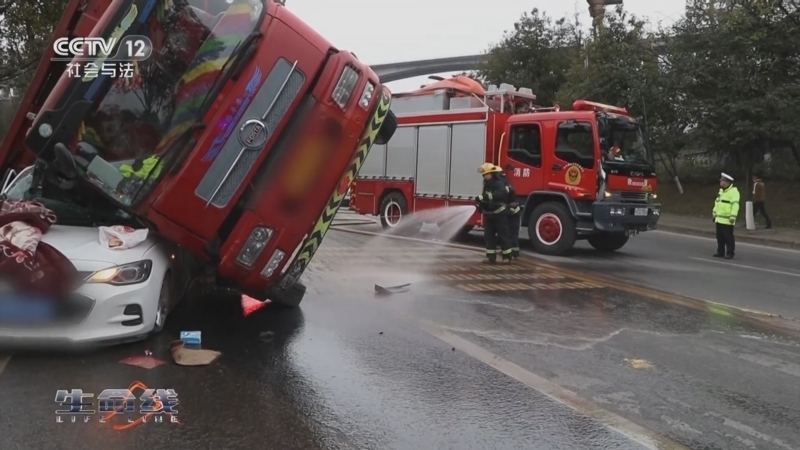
column 583, row 105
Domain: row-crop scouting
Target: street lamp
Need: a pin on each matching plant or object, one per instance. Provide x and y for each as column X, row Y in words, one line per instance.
column 598, row 7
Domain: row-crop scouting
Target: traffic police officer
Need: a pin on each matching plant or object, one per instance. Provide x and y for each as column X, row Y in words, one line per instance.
column 493, row 205
column 514, row 217
column 726, row 208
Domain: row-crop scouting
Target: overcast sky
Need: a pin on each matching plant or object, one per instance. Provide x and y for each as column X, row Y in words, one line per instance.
column 385, row 31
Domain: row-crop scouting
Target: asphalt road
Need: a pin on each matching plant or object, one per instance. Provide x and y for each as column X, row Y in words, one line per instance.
column 470, row 357
column 760, row 278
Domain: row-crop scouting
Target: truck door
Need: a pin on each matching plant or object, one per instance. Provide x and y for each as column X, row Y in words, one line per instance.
column 522, row 157
column 571, row 159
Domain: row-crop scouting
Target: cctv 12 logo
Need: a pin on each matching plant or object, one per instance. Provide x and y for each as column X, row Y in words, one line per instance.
column 118, row 406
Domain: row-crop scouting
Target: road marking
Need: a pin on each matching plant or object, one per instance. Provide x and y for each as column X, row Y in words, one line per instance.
column 625, row 427
column 4, row 362
column 761, row 318
column 746, row 244
column 779, row 272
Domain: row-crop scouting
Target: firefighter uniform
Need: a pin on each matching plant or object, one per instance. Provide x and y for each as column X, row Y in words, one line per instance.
column 493, row 205
column 514, row 218
column 726, row 208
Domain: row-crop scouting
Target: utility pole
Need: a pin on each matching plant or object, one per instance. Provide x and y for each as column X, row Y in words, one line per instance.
column 597, row 9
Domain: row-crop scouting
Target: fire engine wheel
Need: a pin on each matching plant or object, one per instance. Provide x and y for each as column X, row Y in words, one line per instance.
column 551, row 229
column 387, row 129
column 607, row 242
column 393, row 210
column 288, row 298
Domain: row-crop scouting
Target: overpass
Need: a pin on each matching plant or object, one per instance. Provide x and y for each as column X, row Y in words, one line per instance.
column 409, row 69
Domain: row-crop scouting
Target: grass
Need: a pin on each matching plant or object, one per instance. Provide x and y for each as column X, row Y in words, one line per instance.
column 782, row 202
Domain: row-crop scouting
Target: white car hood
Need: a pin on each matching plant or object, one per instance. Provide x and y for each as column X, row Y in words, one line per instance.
column 83, row 244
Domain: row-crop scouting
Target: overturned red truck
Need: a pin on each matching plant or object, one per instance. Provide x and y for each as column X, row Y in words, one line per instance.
column 237, row 138
column 582, row 174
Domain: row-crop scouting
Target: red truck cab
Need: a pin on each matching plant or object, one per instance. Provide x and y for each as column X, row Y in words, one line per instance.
column 237, row 138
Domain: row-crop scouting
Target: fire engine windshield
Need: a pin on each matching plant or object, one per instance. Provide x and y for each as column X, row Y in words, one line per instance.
column 627, row 142
column 123, row 144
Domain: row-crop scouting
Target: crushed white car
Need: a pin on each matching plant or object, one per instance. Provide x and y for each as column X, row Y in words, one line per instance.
column 125, row 294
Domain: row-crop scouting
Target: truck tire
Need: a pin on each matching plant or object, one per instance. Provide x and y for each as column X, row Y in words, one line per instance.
column 387, row 129
column 551, row 229
column 288, row 298
column 607, row 242
column 393, row 210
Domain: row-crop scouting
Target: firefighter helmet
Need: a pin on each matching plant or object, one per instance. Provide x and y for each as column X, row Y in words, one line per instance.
column 487, row 168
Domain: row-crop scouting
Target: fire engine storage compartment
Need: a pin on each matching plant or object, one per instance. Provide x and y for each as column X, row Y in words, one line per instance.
column 441, row 160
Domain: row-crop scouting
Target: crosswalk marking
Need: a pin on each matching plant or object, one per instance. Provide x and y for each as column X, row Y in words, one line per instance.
column 480, row 287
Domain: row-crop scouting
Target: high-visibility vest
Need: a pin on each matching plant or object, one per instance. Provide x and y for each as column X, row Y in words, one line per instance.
column 726, row 206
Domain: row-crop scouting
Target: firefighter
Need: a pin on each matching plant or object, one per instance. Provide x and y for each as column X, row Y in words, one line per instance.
column 493, row 205
column 514, row 217
column 726, row 208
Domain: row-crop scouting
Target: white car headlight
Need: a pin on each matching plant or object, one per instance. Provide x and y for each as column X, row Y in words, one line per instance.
column 123, row 275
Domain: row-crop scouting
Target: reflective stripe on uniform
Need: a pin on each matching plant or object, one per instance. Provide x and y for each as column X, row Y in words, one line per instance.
column 491, row 252
column 498, row 210
column 507, row 252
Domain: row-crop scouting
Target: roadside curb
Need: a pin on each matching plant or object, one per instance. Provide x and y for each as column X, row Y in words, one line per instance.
column 740, row 237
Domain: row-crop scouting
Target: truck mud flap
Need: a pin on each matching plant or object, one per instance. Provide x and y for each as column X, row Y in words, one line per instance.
column 314, row 239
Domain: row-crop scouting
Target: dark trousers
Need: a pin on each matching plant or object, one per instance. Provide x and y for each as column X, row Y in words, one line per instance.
column 758, row 208
column 725, row 240
column 495, row 232
column 514, row 220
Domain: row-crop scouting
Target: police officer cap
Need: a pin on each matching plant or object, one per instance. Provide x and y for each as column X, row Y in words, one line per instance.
column 726, row 177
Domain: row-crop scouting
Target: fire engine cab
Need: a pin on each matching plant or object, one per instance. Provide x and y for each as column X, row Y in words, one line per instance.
column 582, row 174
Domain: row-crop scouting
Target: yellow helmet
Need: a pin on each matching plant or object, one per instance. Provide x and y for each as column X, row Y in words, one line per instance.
column 488, row 168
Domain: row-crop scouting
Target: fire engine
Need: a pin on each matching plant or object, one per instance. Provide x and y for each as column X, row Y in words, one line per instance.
column 582, row 174
column 237, row 138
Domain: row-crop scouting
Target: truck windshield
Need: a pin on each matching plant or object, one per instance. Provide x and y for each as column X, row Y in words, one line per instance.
column 120, row 144
column 628, row 142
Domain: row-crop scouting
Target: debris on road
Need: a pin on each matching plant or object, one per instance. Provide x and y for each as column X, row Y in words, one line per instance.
column 639, row 364
column 251, row 305
column 191, row 339
column 192, row 357
column 266, row 336
column 389, row 290
column 145, row 362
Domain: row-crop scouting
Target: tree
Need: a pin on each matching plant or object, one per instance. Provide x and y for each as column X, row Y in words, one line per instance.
column 25, row 27
column 537, row 54
column 738, row 67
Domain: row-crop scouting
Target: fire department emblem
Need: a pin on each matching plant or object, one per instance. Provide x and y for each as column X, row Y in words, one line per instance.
column 253, row 134
column 573, row 175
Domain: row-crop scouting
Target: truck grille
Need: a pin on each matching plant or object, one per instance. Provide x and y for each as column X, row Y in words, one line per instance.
column 633, row 197
column 271, row 103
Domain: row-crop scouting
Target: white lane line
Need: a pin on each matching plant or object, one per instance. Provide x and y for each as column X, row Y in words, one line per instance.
column 4, row 363
column 625, row 427
column 765, row 248
column 743, row 266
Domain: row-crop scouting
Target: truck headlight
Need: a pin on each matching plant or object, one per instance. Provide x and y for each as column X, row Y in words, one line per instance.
column 273, row 264
column 366, row 96
column 617, row 211
column 656, row 212
column 344, row 87
column 45, row 130
column 254, row 246
column 123, row 275
column 607, row 194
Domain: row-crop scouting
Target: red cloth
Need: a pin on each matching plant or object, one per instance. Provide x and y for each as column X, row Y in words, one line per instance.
column 26, row 263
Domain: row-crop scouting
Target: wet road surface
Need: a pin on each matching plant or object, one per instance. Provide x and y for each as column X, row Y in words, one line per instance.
column 761, row 278
column 471, row 357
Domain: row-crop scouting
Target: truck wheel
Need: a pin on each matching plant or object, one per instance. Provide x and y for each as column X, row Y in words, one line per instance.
column 387, row 129
column 551, row 229
column 607, row 242
column 290, row 297
column 394, row 209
